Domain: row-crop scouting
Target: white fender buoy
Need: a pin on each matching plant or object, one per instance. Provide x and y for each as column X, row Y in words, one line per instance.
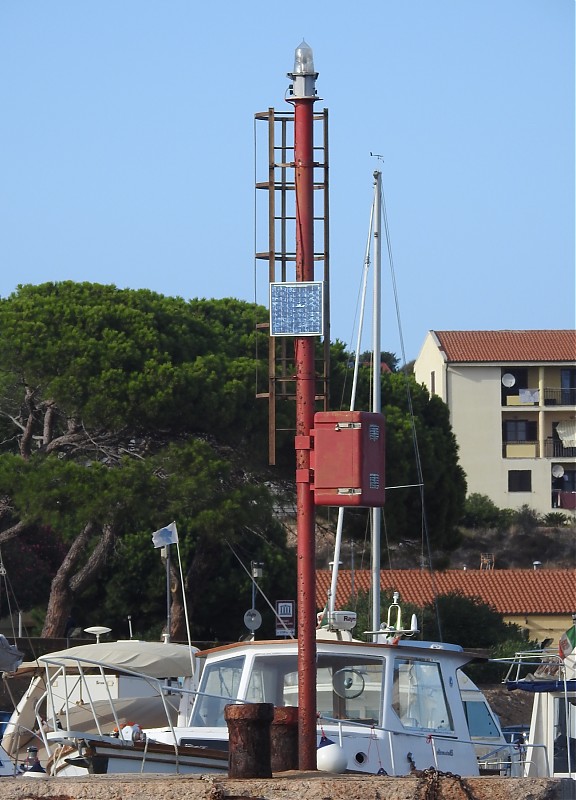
column 330, row 757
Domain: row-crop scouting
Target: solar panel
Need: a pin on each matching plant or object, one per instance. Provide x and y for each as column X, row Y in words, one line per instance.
column 297, row 309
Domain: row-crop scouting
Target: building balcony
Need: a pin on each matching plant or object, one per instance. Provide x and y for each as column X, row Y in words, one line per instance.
column 559, row 397
column 520, row 449
column 531, row 397
column 553, row 448
column 522, row 397
column 565, row 500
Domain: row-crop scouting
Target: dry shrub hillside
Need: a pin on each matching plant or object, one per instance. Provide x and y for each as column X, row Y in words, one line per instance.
column 555, row 548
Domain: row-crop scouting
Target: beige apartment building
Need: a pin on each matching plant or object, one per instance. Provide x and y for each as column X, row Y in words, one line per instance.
column 512, row 401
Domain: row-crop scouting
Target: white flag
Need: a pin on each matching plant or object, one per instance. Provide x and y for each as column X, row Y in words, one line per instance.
column 165, row 536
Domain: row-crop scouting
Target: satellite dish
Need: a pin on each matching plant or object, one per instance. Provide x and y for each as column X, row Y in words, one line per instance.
column 97, row 631
column 508, row 380
column 557, row 470
column 252, row 619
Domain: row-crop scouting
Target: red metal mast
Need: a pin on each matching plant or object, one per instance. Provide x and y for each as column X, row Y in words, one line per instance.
column 303, row 96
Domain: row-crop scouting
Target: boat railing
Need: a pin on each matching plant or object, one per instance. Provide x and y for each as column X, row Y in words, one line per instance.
column 431, row 736
column 548, row 663
column 506, row 766
column 542, row 670
column 15, row 730
column 16, row 734
column 82, row 666
column 507, row 759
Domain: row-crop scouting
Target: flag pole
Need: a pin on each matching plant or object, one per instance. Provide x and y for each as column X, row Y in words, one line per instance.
column 166, row 555
column 185, row 607
column 164, row 538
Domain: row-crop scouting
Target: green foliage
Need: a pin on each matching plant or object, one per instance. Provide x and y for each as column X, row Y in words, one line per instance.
column 131, row 409
column 494, row 672
column 481, row 512
column 527, row 519
column 125, row 360
column 555, row 519
column 391, row 360
column 467, row 621
column 30, row 560
column 125, row 409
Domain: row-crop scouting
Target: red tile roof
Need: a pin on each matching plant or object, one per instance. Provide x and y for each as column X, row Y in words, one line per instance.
column 508, row 346
column 510, row 591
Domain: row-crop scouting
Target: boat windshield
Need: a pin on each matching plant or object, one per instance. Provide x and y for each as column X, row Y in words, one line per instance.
column 348, row 687
column 419, row 698
column 220, row 685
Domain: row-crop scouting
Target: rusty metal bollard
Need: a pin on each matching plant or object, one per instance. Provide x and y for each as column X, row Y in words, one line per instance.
column 249, row 739
column 284, row 739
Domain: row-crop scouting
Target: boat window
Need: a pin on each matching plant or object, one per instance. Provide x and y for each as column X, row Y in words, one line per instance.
column 418, row 695
column 564, row 736
column 269, row 677
column 481, row 723
column 220, row 684
column 350, row 687
column 347, row 687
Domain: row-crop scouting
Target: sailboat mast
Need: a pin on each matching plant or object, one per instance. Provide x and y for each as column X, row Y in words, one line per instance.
column 376, row 395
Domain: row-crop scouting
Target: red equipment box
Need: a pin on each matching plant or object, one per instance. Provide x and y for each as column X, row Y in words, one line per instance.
column 348, row 458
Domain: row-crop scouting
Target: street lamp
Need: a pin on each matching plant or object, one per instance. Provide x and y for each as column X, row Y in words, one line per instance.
column 257, row 570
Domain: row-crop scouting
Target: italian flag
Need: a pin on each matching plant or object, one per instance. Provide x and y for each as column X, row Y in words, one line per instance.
column 567, row 643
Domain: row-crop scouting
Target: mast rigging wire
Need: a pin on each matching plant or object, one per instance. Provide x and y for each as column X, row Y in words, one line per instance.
column 425, row 528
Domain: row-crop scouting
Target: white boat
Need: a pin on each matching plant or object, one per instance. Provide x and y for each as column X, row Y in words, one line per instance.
column 550, row 746
column 107, row 689
column 389, row 707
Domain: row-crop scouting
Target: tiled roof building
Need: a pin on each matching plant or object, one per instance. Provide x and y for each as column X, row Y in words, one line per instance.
column 512, row 401
column 541, row 600
column 513, row 346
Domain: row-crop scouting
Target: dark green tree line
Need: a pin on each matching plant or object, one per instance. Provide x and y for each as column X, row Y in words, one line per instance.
column 121, row 410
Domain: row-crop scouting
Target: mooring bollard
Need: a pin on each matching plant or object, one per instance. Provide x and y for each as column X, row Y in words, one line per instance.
column 249, row 739
column 284, row 739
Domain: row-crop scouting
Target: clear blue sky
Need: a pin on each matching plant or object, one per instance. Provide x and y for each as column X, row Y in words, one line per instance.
column 127, row 149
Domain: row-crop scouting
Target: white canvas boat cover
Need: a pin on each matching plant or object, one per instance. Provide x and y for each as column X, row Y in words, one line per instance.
column 153, row 659
column 148, row 712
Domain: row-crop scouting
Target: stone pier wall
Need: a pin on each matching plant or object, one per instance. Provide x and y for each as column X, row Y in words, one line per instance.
column 291, row 786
